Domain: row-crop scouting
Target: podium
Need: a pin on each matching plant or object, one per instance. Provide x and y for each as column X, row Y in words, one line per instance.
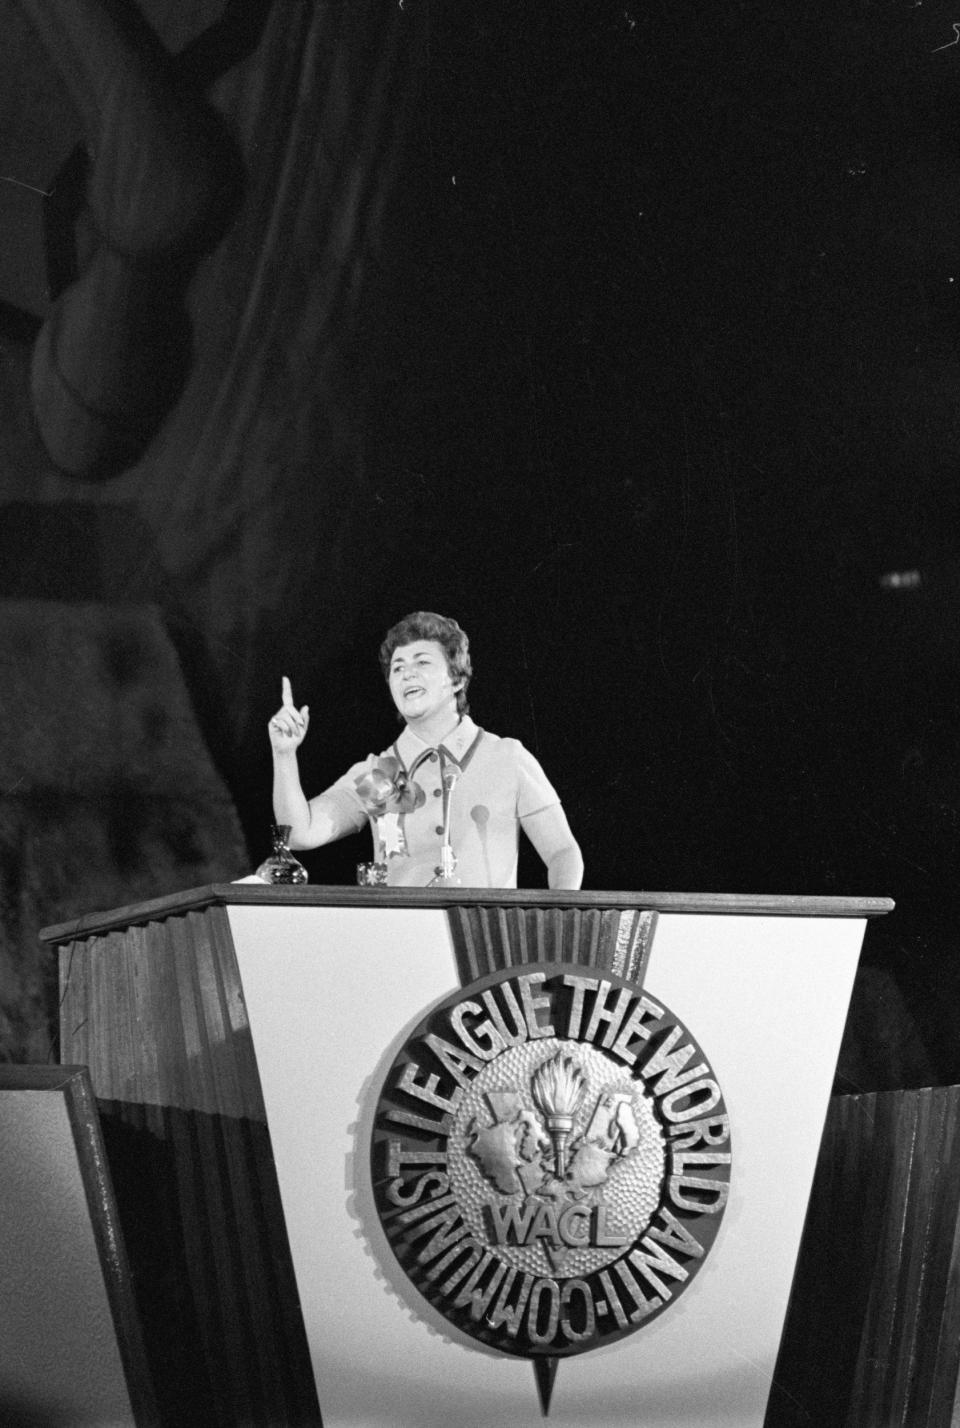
column 246, row 1044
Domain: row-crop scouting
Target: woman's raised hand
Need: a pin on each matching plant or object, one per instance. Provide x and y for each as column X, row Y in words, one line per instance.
column 289, row 725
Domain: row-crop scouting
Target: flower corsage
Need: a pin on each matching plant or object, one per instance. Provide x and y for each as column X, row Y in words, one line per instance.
column 387, row 792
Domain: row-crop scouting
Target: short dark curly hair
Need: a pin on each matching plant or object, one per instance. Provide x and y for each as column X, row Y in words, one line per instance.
column 425, row 625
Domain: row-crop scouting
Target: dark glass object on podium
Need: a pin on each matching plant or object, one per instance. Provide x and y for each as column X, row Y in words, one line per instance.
column 282, row 866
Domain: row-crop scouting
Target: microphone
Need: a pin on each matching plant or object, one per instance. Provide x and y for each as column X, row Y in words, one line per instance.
column 448, row 859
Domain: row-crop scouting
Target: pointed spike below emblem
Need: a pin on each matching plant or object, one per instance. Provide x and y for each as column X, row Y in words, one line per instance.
column 545, row 1370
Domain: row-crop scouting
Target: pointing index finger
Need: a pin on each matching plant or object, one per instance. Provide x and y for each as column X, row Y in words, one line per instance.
column 286, row 693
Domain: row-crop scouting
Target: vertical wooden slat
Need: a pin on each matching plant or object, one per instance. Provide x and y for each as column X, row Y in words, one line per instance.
column 938, row 1367
column 503, row 937
column 572, row 935
column 608, row 938
column 918, row 1273
column 589, row 947
column 897, row 1123
column 943, row 1374
column 518, row 944
column 214, row 1134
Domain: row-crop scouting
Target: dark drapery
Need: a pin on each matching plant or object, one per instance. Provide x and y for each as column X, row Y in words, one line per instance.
column 244, row 510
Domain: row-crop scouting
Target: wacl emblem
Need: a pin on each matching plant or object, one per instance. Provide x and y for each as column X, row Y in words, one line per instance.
column 550, row 1160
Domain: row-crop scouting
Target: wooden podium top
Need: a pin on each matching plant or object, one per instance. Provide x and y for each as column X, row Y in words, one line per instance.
column 317, row 895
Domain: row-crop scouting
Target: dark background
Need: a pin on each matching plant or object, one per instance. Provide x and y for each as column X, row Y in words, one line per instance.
column 626, row 334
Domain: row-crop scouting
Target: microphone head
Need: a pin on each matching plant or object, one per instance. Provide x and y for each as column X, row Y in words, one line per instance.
column 450, row 776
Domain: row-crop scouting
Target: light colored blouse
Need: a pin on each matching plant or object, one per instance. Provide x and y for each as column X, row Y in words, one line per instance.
column 492, row 784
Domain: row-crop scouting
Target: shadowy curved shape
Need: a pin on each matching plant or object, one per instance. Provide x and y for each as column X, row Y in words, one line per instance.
column 157, row 185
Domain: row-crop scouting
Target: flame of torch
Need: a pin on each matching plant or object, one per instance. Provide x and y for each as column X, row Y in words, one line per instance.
column 558, row 1088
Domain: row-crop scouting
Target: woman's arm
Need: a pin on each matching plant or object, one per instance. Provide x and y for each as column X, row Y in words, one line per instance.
column 549, row 832
column 311, row 823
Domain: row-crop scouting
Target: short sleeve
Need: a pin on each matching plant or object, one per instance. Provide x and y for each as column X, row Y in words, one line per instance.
column 341, row 802
column 534, row 789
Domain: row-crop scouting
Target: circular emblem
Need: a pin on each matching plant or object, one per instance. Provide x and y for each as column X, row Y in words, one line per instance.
column 550, row 1159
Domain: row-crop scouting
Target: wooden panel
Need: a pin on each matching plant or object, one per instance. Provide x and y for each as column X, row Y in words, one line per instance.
column 71, row 1348
column 157, row 1013
column 490, row 938
column 873, row 1332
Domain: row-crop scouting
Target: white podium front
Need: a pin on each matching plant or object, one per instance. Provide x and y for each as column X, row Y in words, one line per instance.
column 247, row 1032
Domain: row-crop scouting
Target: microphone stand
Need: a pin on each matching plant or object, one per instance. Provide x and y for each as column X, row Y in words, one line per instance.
column 445, row 872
